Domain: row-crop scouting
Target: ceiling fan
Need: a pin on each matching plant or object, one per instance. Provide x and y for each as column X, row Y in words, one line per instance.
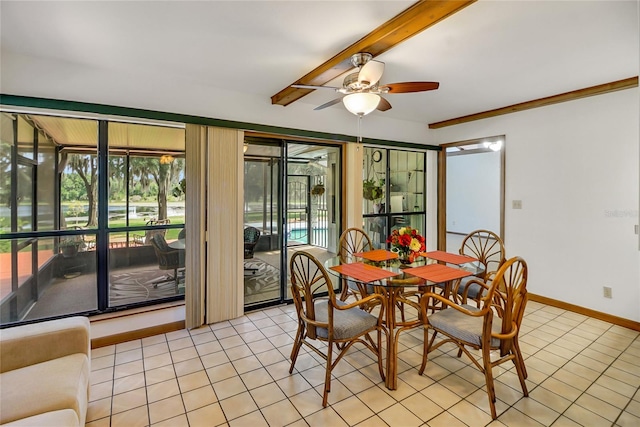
column 362, row 90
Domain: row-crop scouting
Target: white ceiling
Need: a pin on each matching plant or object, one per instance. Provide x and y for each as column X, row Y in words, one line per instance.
column 489, row 55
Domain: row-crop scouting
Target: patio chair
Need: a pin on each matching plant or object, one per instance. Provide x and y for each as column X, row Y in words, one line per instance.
column 251, row 237
column 493, row 326
column 168, row 258
column 148, row 235
column 323, row 318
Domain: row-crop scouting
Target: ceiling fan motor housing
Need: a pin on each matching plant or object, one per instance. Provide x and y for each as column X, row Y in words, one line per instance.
column 351, row 83
column 359, row 59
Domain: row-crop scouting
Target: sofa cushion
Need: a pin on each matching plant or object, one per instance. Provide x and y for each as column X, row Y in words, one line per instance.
column 38, row 342
column 65, row 417
column 57, row 384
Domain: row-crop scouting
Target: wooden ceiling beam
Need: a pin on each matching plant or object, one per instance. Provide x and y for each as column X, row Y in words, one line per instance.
column 407, row 24
column 541, row 102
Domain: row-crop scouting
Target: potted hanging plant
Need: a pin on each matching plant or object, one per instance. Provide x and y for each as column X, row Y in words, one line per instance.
column 318, row 189
column 373, row 189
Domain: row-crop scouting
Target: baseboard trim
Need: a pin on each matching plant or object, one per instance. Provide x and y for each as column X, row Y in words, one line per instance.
column 620, row 321
column 137, row 334
column 176, row 326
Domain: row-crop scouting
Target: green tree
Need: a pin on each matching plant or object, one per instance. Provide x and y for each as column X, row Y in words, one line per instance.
column 117, row 169
column 165, row 174
column 86, row 166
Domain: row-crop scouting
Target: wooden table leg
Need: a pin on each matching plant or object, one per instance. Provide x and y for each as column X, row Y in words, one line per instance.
column 392, row 346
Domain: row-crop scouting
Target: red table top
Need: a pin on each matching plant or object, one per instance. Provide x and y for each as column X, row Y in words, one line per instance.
column 448, row 257
column 377, row 255
column 437, row 273
column 363, row 272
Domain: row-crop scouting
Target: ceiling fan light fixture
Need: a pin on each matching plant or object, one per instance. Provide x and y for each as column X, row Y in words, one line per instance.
column 362, row 103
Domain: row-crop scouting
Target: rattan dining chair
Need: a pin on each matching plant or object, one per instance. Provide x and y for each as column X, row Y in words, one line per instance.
column 353, row 240
column 488, row 248
column 323, row 318
column 493, row 326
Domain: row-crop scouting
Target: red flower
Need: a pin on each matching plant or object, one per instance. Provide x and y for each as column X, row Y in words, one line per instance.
column 407, row 241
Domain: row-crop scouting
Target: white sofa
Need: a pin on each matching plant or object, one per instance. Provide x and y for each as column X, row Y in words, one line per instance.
column 44, row 373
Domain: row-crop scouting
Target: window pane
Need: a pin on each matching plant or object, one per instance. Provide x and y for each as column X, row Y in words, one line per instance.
column 25, row 200
column 59, row 280
column 376, row 228
column 6, row 144
column 374, row 181
column 146, row 188
column 25, row 137
column 79, row 192
column 404, row 204
column 46, row 188
column 140, row 272
column 156, row 191
column 406, row 181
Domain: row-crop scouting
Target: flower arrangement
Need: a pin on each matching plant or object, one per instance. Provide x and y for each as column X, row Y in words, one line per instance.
column 407, row 243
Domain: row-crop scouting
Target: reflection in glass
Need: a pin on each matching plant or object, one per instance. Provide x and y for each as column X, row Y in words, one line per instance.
column 393, row 192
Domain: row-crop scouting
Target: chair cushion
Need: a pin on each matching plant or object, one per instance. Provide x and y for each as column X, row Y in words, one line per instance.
column 346, row 323
column 463, row 327
column 474, row 288
column 57, row 384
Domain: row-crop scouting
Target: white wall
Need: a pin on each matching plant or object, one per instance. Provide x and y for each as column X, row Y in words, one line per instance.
column 473, row 192
column 48, row 78
column 575, row 167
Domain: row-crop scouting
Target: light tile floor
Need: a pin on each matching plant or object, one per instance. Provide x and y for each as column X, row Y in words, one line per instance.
column 582, row 371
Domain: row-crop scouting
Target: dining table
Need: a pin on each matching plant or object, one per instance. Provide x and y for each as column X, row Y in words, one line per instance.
column 399, row 283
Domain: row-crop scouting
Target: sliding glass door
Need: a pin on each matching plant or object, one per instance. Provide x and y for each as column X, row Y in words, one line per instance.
column 291, row 201
column 262, row 224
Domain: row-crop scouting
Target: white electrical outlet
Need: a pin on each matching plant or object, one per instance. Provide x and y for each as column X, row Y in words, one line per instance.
column 516, row 204
column 606, row 292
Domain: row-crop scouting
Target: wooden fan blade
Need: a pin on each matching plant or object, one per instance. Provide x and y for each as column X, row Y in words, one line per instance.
column 384, row 105
column 407, row 87
column 328, row 104
column 314, row 87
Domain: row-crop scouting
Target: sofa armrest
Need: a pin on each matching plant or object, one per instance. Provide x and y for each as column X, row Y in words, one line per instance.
column 27, row 345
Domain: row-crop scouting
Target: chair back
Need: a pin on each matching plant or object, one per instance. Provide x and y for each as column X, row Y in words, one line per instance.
column 251, row 235
column 158, row 241
column 353, row 240
column 310, row 282
column 507, row 298
column 487, row 247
